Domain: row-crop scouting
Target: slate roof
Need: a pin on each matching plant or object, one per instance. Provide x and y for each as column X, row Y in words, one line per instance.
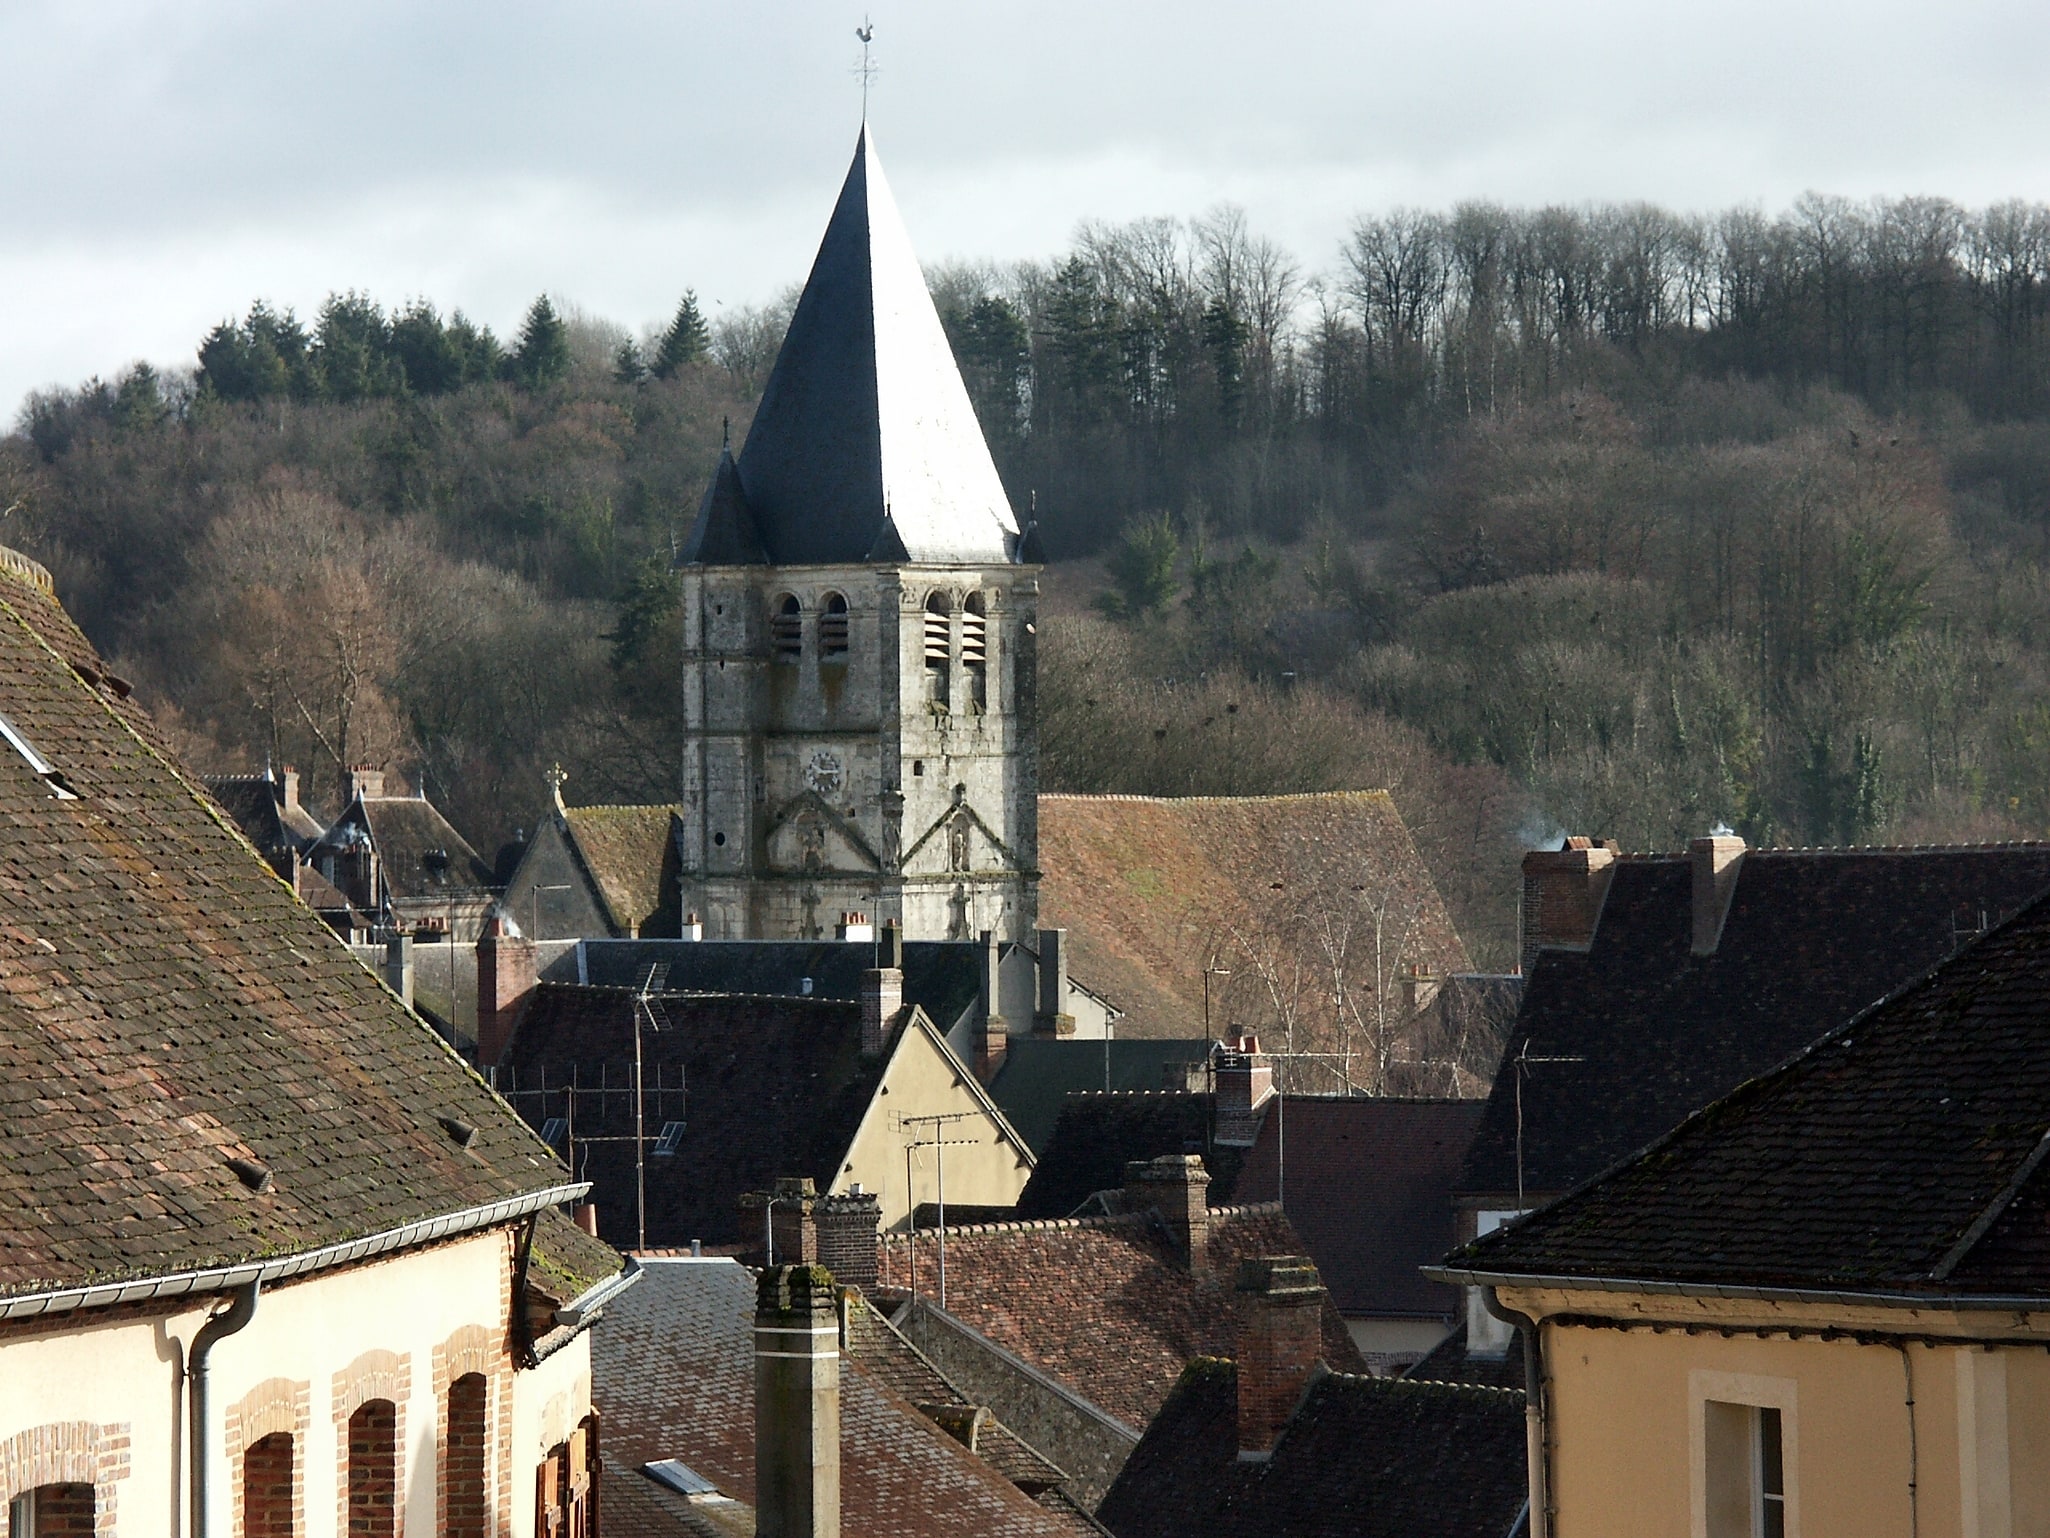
column 1450, row 1362
column 1362, row 1458
column 1039, row 1073
column 1096, row 1135
column 1370, row 1191
column 673, row 1377
column 166, row 1006
column 256, row 803
column 630, row 853
column 1812, row 937
column 1903, row 1153
column 865, row 446
column 410, row 836
column 1152, row 890
column 1102, row 1304
column 765, row 1088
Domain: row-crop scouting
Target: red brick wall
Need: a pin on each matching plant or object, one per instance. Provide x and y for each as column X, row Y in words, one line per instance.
column 268, row 1470
column 467, row 1508
column 1279, row 1342
column 68, row 1456
column 64, row 1511
column 373, row 1476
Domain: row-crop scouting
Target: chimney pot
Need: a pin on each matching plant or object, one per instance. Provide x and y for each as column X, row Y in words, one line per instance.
column 797, row 1403
column 892, row 952
column 585, row 1215
column 1177, row 1187
column 693, row 926
column 1715, row 859
column 1562, row 895
column 363, row 782
column 1281, row 1338
column 855, row 926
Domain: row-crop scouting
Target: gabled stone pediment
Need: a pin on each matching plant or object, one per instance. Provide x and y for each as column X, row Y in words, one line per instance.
column 807, row 836
column 942, row 844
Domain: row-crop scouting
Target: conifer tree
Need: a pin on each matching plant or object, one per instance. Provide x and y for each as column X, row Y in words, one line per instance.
column 686, row 341
column 542, row 356
column 627, row 367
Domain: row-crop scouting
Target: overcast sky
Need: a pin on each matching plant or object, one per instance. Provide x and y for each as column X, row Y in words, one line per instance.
column 162, row 165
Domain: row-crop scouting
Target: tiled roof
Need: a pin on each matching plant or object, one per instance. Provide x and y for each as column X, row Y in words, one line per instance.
column 1450, row 1362
column 1362, row 1458
column 253, row 800
column 1902, row 1153
column 1153, row 890
column 765, row 1088
column 630, row 852
column 1102, row 1304
column 673, row 1377
column 566, row 1262
column 166, row 1006
column 1097, row 1135
column 1370, row 1191
column 1641, row 1032
column 411, row 836
column 1038, row 1073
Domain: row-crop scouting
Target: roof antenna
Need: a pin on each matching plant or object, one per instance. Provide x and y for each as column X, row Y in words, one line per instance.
column 866, row 70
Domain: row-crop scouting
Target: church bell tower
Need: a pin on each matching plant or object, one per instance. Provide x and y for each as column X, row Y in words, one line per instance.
column 858, row 611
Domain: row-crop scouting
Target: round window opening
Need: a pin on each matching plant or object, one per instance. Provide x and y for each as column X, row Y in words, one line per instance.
column 719, row 838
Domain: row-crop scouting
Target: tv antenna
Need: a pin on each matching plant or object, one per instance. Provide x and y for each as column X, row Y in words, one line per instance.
column 648, row 1011
column 1524, row 1062
column 937, row 1140
column 867, row 69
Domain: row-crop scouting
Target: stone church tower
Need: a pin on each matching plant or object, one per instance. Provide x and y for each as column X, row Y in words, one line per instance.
column 858, row 607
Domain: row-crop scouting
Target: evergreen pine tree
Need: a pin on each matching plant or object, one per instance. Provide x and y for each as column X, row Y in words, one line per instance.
column 686, row 341
column 627, row 367
column 543, row 354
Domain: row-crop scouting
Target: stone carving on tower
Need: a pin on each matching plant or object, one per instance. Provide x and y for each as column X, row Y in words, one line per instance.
column 859, row 606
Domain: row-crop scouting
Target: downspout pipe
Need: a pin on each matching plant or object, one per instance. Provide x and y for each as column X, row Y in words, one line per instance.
column 234, row 1317
column 1535, row 1452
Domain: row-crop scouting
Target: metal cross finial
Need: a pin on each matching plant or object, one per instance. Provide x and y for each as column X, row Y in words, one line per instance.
column 867, row 69
column 556, row 777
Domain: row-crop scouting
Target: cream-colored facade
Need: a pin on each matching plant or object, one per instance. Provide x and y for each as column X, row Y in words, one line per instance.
column 100, row 1396
column 1889, row 1422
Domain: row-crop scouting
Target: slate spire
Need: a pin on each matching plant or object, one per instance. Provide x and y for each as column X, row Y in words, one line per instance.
column 864, row 444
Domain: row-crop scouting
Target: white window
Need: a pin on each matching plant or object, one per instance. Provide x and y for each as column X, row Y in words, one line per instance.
column 1745, row 1456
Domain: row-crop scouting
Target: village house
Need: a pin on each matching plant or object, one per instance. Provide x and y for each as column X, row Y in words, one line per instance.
column 1819, row 1305
column 272, row 1260
column 398, row 860
column 267, row 808
column 597, row 872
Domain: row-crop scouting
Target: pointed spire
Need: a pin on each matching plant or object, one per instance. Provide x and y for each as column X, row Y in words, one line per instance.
column 865, row 440
column 724, row 533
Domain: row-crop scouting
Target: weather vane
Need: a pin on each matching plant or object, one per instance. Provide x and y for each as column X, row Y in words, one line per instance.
column 867, row 69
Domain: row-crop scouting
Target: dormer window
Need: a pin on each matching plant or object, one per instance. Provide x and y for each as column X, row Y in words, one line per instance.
column 833, row 629
column 939, row 641
column 975, row 650
column 786, row 631
column 42, row 767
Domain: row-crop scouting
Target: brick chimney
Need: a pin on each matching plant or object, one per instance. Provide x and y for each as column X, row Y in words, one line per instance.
column 364, row 782
column 882, row 1007
column 1177, row 1187
column 1715, row 860
column 994, row 1039
column 1281, row 1337
column 1419, row 985
column 790, row 1234
column 1053, row 1017
column 855, row 926
column 507, row 975
column 1562, row 895
column 1245, row 1083
column 847, row 1226
column 693, row 926
column 797, row 1404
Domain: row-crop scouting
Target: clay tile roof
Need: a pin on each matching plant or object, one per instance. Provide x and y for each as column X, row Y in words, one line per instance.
column 1652, row 1032
column 1902, row 1153
column 566, row 1262
column 628, row 850
column 166, row 1006
column 1152, row 889
column 1102, row 1304
column 1362, row 1458
column 1370, row 1190
column 1098, row 1134
column 673, row 1377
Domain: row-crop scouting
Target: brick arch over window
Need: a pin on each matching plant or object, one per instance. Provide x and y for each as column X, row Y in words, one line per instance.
column 280, row 1407
column 475, row 1353
column 273, row 1487
column 374, row 1376
column 67, row 1453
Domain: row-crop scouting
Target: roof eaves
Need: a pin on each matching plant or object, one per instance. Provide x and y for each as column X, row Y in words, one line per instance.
column 1960, row 1302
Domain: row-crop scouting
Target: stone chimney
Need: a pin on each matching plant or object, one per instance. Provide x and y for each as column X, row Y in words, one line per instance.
column 1562, row 895
column 398, row 967
column 847, row 1226
column 780, row 1227
column 367, row 783
column 855, row 926
column 1053, row 1017
column 1245, row 1083
column 882, row 1008
column 693, row 926
column 797, row 1403
column 507, row 975
column 1177, row 1187
column 288, row 789
column 995, row 1038
column 1419, row 986
column 1715, row 860
column 1281, row 1337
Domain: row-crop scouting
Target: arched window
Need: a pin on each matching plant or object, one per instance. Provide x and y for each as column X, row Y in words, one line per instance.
column 373, row 1472
column 468, row 1512
column 786, row 630
column 939, row 645
column 975, row 650
column 833, row 629
column 51, row 1511
column 267, row 1488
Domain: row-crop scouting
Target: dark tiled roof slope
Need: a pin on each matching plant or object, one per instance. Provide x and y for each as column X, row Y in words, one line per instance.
column 1450, row 1362
column 942, row 977
column 769, row 1087
column 1038, row 1074
column 1154, row 889
column 630, row 852
column 1103, row 1304
column 1097, row 1135
column 1812, row 937
column 252, row 801
column 1370, row 1190
column 1362, row 1458
column 166, row 1004
column 673, row 1377
column 1901, row 1153
column 406, row 831
column 565, row 1262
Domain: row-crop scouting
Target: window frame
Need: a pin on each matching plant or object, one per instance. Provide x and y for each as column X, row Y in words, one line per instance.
column 1753, row 1394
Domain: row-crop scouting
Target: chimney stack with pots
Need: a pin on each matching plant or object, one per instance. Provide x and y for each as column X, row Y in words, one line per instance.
column 693, row 926
column 882, row 1008
column 797, row 1403
column 364, row 783
column 1054, row 1017
column 1176, row 1186
column 1715, row 860
column 1562, row 895
column 847, row 1226
column 1245, row 1083
column 1281, row 1337
column 855, row 926
column 780, row 1227
column 507, row 975
column 288, row 789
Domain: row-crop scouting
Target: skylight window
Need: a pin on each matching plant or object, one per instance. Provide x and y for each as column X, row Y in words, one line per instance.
column 672, row 1136
column 44, row 770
